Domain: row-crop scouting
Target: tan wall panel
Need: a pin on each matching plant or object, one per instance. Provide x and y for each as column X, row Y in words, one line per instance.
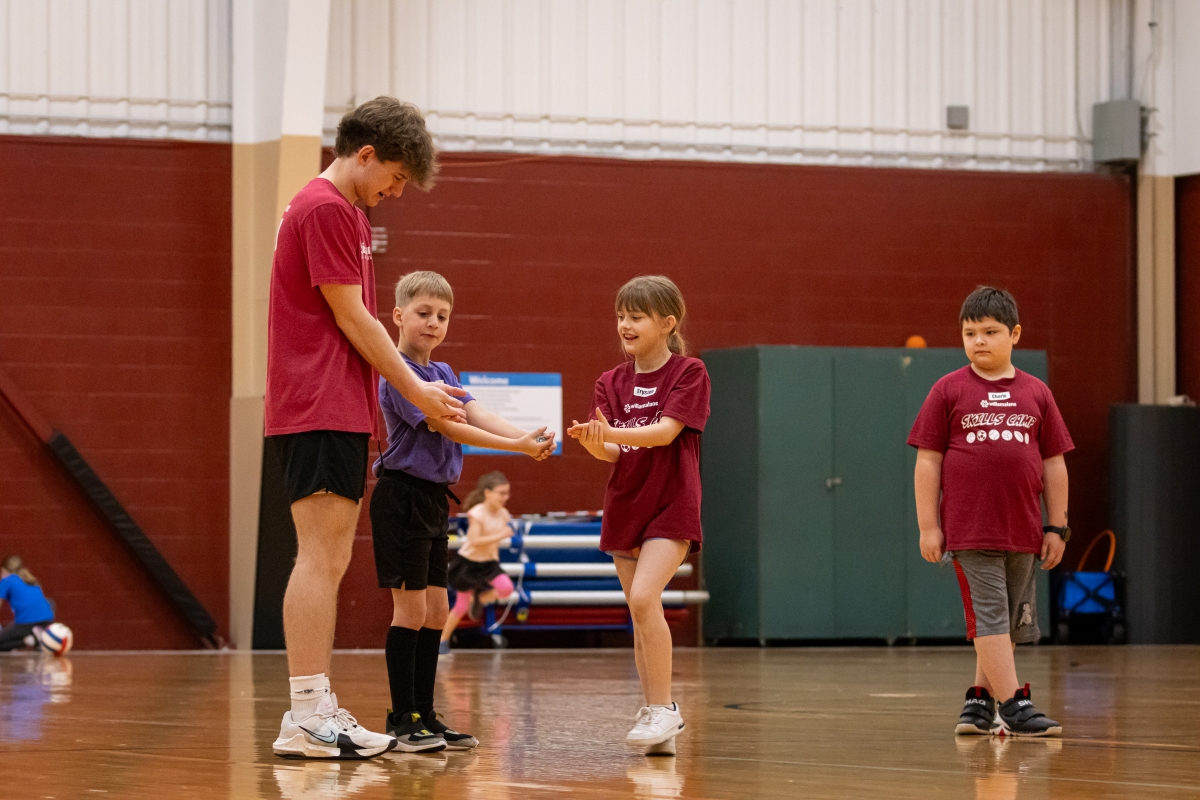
column 1156, row 288
column 299, row 163
column 266, row 175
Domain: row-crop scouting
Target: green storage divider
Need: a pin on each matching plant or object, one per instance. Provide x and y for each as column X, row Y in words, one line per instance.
column 795, row 455
column 869, row 500
column 730, row 505
column 810, row 525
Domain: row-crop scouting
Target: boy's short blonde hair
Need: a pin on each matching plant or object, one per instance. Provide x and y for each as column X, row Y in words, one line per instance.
column 415, row 284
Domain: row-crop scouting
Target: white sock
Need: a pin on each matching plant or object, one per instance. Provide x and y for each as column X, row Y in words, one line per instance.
column 670, row 707
column 307, row 693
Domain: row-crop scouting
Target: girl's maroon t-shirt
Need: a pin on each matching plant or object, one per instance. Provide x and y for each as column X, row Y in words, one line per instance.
column 994, row 436
column 654, row 492
column 316, row 380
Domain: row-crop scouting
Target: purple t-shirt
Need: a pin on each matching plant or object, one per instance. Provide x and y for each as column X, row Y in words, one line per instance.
column 412, row 446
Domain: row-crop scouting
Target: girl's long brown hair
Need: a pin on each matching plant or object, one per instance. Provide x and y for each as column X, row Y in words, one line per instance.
column 487, row 482
column 656, row 294
column 17, row 567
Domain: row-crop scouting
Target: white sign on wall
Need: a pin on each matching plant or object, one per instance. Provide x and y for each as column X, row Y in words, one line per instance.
column 528, row 400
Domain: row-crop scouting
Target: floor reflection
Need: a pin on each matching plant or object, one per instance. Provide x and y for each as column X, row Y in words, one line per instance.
column 775, row 723
column 999, row 762
column 37, row 681
column 319, row 780
column 656, row 778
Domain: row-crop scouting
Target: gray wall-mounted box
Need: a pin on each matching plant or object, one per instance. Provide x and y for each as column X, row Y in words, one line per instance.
column 958, row 118
column 1117, row 131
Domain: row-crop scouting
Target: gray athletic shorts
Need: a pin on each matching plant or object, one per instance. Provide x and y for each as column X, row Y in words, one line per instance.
column 999, row 593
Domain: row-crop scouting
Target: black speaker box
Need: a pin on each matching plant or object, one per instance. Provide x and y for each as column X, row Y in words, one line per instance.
column 1155, row 512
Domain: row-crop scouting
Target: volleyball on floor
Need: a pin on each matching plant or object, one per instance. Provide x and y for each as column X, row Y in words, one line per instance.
column 55, row 637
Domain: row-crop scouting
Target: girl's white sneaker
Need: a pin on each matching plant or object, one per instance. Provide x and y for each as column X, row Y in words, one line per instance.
column 666, row 748
column 655, row 725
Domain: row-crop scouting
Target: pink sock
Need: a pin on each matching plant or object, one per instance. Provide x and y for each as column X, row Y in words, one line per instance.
column 462, row 603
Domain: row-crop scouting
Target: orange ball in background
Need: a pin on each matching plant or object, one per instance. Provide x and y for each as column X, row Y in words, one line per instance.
column 915, row 340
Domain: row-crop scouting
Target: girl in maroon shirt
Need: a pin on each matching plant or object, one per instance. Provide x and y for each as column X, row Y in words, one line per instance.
column 650, row 412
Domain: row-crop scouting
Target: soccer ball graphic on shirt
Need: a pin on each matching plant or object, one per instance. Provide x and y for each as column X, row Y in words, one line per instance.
column 55, row 637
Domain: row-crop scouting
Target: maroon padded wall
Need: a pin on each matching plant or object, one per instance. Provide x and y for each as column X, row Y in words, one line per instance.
column 1187, row 301
column 115, row 321
column 536, row 249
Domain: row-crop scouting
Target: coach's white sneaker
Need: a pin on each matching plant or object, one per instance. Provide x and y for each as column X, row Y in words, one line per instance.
column 655, row 725
column 331, row 732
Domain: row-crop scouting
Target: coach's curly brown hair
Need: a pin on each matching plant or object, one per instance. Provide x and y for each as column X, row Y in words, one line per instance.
column 397, row 132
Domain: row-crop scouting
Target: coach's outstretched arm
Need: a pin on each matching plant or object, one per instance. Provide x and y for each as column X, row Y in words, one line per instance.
column 371, row 340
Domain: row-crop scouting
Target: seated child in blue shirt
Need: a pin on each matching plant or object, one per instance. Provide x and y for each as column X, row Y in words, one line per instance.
column 29, row 605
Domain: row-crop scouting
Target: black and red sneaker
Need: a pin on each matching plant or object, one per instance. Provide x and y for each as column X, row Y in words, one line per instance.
column 978, row 716
column 1019, row 717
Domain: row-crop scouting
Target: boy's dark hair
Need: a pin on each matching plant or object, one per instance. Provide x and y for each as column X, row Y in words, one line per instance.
column 987, row 301
column 397, row 132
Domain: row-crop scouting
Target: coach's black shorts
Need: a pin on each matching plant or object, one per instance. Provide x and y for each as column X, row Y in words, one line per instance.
column 409, row 528
column 323, row 461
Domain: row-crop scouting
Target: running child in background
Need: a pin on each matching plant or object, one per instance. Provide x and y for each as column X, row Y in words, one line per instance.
column 410, row 513
column 650, row 412
column 29, row 605
column 990, row 440
column 475, row 573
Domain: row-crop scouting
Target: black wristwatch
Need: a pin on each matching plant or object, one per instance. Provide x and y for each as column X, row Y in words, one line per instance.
column 1064, row 531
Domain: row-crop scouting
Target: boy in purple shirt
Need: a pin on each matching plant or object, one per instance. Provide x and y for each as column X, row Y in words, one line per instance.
column 410, row 511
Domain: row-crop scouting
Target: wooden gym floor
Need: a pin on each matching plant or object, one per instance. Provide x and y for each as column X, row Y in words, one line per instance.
column 838, row 722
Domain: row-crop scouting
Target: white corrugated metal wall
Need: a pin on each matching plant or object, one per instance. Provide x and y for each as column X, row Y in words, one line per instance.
column 120, row 68
column 807, row 81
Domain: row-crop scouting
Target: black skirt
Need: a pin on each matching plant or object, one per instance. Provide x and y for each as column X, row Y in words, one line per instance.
column 473, row 576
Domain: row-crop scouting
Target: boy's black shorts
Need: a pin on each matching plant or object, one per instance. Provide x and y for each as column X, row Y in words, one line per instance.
column 410, row 520
column 323, row 461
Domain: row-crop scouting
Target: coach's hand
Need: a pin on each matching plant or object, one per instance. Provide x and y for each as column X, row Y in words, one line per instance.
column 933, row 545
column 1052, row 550
column 439, row 401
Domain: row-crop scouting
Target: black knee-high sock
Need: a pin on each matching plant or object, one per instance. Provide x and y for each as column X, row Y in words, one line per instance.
column 428, row 641
column 401, row 654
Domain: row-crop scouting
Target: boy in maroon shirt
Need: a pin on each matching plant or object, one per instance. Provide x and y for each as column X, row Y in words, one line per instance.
column 324, row 343
column 991, row 440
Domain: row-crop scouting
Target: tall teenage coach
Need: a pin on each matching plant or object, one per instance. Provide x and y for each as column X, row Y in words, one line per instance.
column 323, row 340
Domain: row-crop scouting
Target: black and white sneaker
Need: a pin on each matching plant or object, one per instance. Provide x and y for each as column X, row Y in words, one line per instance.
column 411, row 734
column 1019, row 717
column 655, row 725
column 978, row 716
column 331, row 732
column 454, row 739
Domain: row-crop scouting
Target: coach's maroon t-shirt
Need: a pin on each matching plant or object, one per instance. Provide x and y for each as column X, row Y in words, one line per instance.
column 316, row 380
column 994, row 436
column 654, row 492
